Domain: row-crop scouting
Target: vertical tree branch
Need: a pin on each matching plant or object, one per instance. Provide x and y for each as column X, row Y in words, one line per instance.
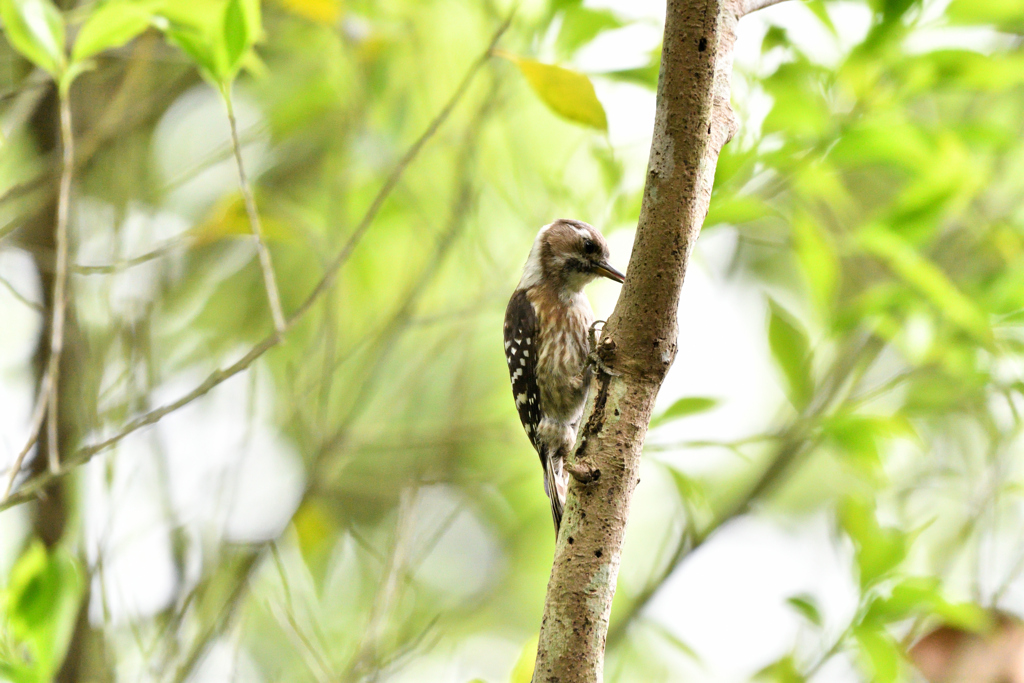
column 60, row 281
column 266, row 265
column 46, row 401
column 693, row 121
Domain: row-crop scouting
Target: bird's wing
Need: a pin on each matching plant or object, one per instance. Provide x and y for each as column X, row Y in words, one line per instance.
column 521, row 354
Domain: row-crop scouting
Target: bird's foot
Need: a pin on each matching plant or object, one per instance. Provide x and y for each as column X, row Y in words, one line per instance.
column 607, row 346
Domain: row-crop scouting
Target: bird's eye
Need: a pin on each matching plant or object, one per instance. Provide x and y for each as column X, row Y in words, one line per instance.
column 589, row 246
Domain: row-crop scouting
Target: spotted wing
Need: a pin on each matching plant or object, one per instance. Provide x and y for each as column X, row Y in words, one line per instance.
column 521, row 354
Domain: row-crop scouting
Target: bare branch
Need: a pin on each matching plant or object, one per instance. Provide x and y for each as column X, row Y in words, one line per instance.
column 124, row 264
column 754, row 5
column 266, row 265
column 38, row 308
column 35, row 424
column 217, row 377
column 406, row 159
column 60, row 297
column 46, row 400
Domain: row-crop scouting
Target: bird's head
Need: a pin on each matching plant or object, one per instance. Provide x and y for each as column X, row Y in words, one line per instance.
column 568, row 254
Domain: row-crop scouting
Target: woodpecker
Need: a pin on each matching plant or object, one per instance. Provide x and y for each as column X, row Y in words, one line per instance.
column 547, row 330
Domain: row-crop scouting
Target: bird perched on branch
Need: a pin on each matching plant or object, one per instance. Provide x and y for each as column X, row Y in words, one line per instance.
column 547, row 330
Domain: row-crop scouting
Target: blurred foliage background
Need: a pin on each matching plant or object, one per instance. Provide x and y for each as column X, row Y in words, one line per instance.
column 834, row 470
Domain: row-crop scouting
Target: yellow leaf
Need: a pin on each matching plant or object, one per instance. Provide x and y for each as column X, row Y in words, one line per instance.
column 228, row 218
column 567, row 93
column 313, row 526
column 324, row 11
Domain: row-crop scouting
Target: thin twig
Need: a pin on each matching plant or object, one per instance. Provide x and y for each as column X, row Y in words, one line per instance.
column 392, row 180
column 247, row 567
column 21, row 297
column 269, row 281
column 89, row 143
column 124, row 264
column 386, row 341
column 315, row 662
column 749, row 6
column 218, row 376
column 44, row 258
column 34, row 426
column 319, row 648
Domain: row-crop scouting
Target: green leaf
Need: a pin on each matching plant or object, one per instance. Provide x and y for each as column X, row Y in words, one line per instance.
column 1004, row 13
column 893, row 10
column 792, row 352
column 691, row 492
column 883, row 137
column 690, row 405
column 818, row 258
column 236, row 35
column 857, row 438
column 74, row 70
column 110, row 26
column 196, row 47
column 807, row 606
column 881, row 653
column 41, row 602
column 580, row 25
column 35, row 28
column 799, row 109
column 818, row 7
column 27, row 599
column 567, row 93
column 782, row 671
column 646, row 76
column 522, row 672
column 674, row 640
column 928, row 279
column 736, row 210
column 879, row 550
column 774, row 37
column 916, row 596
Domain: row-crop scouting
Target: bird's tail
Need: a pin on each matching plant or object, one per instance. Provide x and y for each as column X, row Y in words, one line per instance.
column 555, row 485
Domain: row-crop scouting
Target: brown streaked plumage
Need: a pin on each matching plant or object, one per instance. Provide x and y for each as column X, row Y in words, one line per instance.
column 547, row 325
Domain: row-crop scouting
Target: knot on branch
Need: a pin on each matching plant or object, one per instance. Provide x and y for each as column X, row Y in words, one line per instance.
column 583, row 472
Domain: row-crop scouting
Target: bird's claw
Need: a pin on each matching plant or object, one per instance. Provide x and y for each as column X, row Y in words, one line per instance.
column 594, row 356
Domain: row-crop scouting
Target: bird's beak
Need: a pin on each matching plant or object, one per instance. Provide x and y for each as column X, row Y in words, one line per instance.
column 605, row 269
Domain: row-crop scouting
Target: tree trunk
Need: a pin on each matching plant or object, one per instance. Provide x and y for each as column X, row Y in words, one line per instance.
column 693, row 121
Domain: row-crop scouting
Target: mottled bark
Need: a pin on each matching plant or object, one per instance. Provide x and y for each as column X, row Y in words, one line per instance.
column 692, row 122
